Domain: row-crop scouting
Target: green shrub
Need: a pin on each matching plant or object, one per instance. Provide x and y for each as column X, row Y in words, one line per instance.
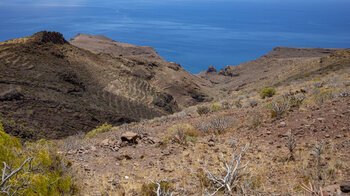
column 215, row 108
column 99, row 129
column 324, row 95
column 267, row 92
column 43, row 171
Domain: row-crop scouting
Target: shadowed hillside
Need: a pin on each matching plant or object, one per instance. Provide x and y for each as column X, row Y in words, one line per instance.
column 50, row 88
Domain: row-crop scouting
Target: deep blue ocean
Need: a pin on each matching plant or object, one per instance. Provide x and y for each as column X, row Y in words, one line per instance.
column 194, row 33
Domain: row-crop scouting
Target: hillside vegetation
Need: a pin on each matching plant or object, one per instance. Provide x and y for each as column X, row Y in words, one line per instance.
column 123, row 121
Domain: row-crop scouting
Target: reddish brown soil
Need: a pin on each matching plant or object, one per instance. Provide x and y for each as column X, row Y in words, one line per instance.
column 329, row 123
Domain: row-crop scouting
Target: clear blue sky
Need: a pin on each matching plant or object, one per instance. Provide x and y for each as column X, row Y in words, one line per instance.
column 195, row 33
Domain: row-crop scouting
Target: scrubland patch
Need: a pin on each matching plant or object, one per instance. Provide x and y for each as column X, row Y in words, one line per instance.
column 33, row 168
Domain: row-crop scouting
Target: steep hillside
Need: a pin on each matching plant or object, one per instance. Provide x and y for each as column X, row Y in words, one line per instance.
column 304, row 147
column 50, row 88
column 186, row 88
column 271, row 69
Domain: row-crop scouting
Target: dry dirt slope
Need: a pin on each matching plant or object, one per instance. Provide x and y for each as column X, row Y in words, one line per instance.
column 110, row 165
column 271, row 69
column 50, row 88
column 107, row 166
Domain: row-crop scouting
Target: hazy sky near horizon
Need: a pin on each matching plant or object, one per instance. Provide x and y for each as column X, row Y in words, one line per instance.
column 195, row 33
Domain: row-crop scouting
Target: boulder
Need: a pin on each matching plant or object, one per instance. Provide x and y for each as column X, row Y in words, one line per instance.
column 10, row 95
column 130, row 137
column 345, row 187
column 105, row 142
column 211, row 69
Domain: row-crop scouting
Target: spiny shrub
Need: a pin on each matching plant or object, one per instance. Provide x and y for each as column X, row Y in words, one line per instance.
column 38, row 169
column 278, row 107
column 254, row 121
column 252, row 103
column 216, row 125
column 182, row 133
column 267, row 92
column 238, row 103
column 295, row 100
column 202, row 110
column 324, row 95
column 99, row 129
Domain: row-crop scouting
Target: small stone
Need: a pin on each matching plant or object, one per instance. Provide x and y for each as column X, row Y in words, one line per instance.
column 126, row 177
column 268, row 132
column 130, row 137
column 93, row 148
column 211, row 143
column 166, row 169
column 321, row 119
column 282, row 124
column 166, row 152
column 338, row 136
column 345, row 187
column 71, row 152
column 105, row 142
column 123, row 157
column 283, row 135
column 186, row 154
column 327, row 136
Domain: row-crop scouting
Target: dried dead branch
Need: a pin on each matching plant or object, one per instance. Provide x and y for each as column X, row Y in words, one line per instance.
column 161, row 191
column 11, row 180
column 311, row 189
column 231, row 175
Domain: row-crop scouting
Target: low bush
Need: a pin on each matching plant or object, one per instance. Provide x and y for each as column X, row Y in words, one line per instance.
column 215, row 107
column 74, row 142
column 252, row 103
column 267, row 92
column 202, row 110
column 216, row 125
column 324, row 95
column 278, row 107
column 225, row 105
column 182, row 134
column 238, row 103
column 295, row 100
column 33, row 169
column 254, row 121
column 105, row 127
